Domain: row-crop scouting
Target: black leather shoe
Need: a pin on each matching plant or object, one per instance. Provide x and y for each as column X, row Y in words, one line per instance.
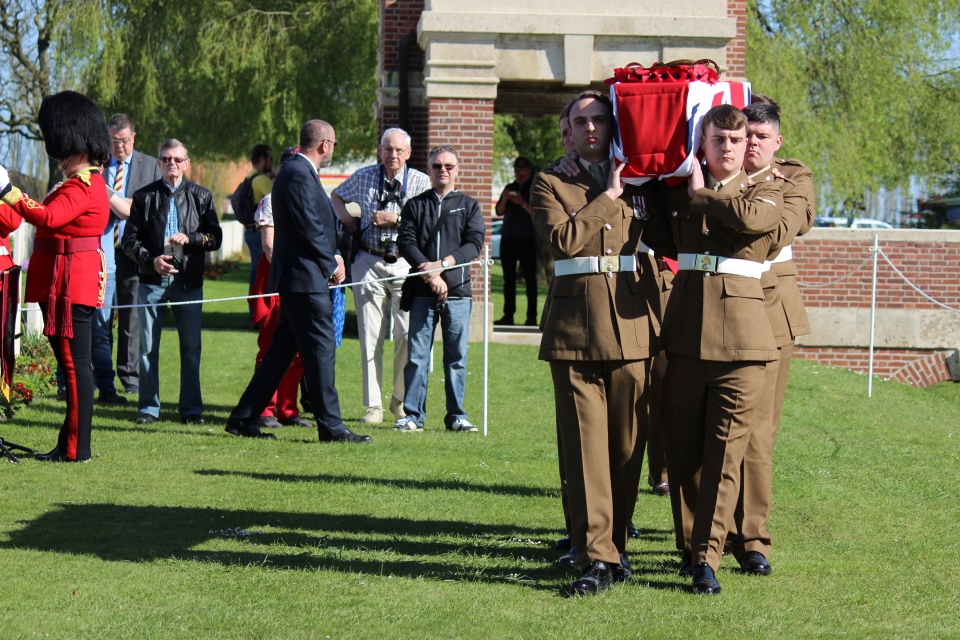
column 296, row 421
column 192, row 420
column 131, row 390
column 346, row 436
column 570, row 560
column 755, row 564
column 57, row 456
column 704, row 580
column 268, row 422
column 564, row 543
column 247, row 431
column 111, row 398
column 145, row 418
column 505, row 321
column 686, row 564
column 597, row 578
column 662, row 489
column 632, row 531
column 623, row 571
column 62, row 395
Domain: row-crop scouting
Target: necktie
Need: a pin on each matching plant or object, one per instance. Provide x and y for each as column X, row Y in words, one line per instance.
column 597, row 172
column 118, row 187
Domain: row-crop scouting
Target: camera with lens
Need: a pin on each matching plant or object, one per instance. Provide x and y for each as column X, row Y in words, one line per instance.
column 388, row 235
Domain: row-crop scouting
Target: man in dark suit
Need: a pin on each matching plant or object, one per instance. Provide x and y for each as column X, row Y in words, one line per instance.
column 139, row 170
column 305, row 263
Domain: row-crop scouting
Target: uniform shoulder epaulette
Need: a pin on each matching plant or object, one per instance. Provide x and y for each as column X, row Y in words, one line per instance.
column 792, row 162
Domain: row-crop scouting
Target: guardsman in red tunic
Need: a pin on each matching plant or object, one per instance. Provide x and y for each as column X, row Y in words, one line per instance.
column 67, row 270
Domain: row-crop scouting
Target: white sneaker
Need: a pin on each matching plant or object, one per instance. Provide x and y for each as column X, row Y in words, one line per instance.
column 462, row 425
column 406, row 424
column 396, row 407
column 374, row 415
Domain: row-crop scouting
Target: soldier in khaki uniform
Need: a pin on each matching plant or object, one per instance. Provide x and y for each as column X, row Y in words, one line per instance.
column 719, row 340
column 750, row 539
column 598, row 338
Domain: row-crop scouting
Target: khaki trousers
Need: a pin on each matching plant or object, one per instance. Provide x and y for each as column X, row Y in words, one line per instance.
column 656, row 458
column 602, row 422
column 712, row 408
column 756, row 500
column 374, row 300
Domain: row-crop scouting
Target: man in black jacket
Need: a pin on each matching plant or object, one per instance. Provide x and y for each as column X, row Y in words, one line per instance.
column 172, row 223
column 305, row 263
column 439, row 229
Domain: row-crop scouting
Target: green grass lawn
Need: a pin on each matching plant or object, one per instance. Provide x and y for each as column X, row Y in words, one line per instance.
column 177, row 531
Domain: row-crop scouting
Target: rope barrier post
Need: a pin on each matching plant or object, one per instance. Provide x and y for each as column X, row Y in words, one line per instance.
column 873, row 312
column 486, row 332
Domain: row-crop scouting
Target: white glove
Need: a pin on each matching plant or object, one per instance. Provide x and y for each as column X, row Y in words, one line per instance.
column 4, row 180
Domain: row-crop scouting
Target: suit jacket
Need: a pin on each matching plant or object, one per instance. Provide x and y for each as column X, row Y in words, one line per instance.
column 305, row 231
column 592, row 316
column 721, row 317
column 144, row 170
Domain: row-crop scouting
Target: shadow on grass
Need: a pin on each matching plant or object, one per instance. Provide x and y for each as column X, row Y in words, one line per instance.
column 123, row 533
column 397, row 483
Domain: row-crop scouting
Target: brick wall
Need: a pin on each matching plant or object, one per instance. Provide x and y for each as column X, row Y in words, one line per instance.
column 920, row 368
column 928, row 259
column 397, row 19
column 737, row 49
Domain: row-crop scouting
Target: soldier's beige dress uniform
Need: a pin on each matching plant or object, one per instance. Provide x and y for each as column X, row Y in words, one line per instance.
column 598, row 338
column 720, row 345
column 787, row 316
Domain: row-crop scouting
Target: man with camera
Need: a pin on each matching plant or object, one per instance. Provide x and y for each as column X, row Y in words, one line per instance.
column 172, row 224
column 381, row 190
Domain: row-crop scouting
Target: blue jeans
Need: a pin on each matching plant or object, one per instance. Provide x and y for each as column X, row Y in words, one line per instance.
column 455, row 329
column 101, row 348
column 188, row 328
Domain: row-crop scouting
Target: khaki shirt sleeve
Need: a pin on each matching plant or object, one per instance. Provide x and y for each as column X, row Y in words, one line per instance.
column 568, row 232
column 755, row 211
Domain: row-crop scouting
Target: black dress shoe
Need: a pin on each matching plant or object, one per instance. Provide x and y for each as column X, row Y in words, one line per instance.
column 296, row 421
column 597, row 578
column 57, row 456
column 247, row 431
column 632, row 531
column 192, row 420
column 131, row 390
column 704, row 580
column 686, row 564
column 564, row 543
column 346, row 436
column 570, row 560
column 145, row 418
column 268, row 422
column 755, row 564
column 623, row 571
column 662, row 489
column 505, row 321
column 111, row 398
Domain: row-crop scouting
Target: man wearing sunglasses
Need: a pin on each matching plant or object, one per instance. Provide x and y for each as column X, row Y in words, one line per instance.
column 172, row 224
column 440, row 231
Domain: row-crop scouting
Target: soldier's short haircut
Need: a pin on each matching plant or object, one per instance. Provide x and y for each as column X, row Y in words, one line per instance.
column 443, row 148
column 259, row 152
column 121, row 121
column 726, row 117
column 602, row 98
column 759, row 98
column 763, row 113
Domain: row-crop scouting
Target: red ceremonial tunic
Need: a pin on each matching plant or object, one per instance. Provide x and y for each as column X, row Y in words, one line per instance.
column 9, row 222
column 69, row 271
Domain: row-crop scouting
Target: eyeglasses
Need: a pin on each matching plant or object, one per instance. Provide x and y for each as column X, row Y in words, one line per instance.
column 169, row 159
column 449, row 167
column 333, row 142
column 121, row 142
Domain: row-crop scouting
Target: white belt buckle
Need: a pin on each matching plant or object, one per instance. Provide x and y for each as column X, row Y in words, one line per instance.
column 609, row 264
column 706, row 263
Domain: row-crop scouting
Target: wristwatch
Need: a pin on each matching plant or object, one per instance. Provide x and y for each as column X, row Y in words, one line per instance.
column 445, row 263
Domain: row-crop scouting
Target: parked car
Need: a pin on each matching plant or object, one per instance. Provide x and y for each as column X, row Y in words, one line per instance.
column 495, row 239
column 854, row 223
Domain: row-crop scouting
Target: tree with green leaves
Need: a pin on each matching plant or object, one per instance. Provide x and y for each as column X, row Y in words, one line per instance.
column 869, row 89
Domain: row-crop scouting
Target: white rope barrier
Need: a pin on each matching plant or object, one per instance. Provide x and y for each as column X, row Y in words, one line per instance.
column 913, row 286
column 836, row 282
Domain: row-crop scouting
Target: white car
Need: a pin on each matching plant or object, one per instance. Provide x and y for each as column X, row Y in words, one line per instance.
column 870, row 223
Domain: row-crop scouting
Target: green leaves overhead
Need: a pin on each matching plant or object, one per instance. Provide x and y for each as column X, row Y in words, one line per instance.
column 222, row 76
column 869, row 88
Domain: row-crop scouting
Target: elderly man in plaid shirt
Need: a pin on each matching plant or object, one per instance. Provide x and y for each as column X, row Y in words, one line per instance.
column 381, row 190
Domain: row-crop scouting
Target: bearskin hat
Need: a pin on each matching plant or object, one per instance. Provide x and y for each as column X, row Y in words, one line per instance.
column 71, row 123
